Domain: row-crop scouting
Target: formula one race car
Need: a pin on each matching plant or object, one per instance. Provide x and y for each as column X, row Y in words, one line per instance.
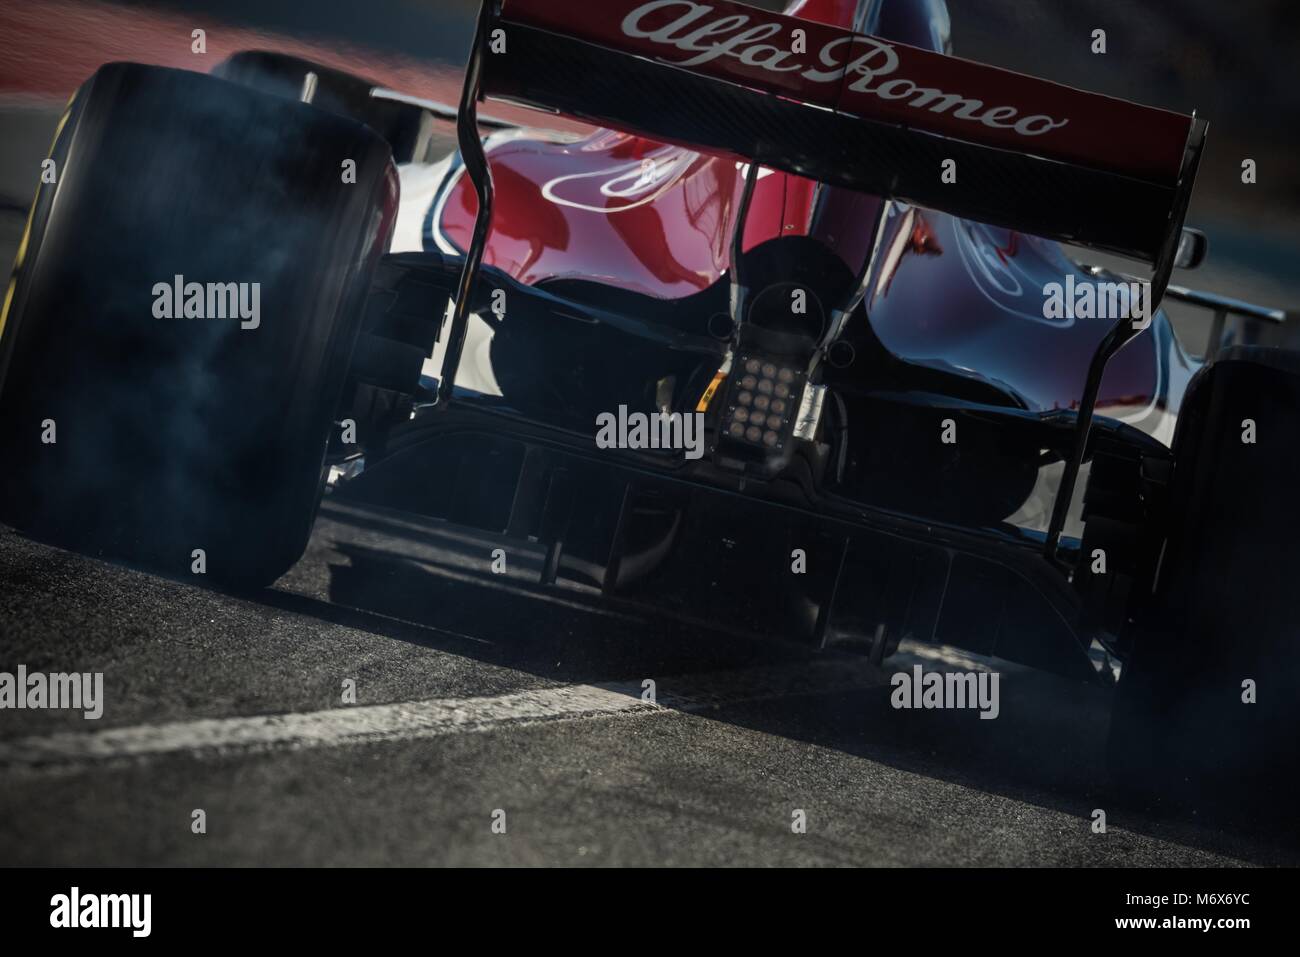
column 787, row 344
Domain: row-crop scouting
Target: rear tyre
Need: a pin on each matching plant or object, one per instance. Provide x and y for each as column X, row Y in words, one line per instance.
column 1222, row 628
column 148, row 438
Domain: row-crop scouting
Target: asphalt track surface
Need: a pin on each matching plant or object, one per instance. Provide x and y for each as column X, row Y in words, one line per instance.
column 478, row 694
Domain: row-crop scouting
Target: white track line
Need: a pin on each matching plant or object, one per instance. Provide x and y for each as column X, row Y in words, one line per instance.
column 433, row 717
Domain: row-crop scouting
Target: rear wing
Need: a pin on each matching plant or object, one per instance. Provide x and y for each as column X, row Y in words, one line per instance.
column 855, row 111
column 846, row 109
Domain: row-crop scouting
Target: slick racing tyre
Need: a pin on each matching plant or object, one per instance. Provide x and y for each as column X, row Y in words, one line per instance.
column 1207, row 704
column 182, row 312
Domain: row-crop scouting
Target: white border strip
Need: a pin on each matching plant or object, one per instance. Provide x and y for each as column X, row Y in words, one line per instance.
column 409, row 720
